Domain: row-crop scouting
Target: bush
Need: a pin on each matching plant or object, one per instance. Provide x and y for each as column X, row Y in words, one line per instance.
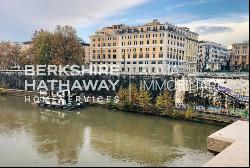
column 3, row 91
column 144, row 101
column 189, row 113
column 164, row 101
column 111, row 104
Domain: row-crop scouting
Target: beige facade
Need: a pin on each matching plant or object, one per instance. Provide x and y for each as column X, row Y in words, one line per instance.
column 240, row 56
column 86, row 56
column 151, row 48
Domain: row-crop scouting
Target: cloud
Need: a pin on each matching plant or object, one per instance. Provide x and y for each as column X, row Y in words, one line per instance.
column 188, row 3
column 212, row 29
column 19, row 18
column 226, row 29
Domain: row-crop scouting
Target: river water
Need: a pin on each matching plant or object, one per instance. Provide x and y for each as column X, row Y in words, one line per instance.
column 32, row 136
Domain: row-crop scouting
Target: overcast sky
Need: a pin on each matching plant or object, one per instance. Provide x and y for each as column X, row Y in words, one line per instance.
column 222, row 21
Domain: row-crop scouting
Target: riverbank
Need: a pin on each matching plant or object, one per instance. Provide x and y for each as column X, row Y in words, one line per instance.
column 206, row 118
column 176, row 114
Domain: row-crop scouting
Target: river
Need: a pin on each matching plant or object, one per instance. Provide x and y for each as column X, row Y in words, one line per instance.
column 32, row 136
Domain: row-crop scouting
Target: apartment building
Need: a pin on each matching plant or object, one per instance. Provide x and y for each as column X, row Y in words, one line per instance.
column 86, row 56
column 152, row 48
column 211, row 56
column 240, row 56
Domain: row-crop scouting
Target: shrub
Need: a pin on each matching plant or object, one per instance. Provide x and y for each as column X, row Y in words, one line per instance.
column 3, row 91
column 164, row 101
column 144, row 101
column 111, row 104
column 189, row 113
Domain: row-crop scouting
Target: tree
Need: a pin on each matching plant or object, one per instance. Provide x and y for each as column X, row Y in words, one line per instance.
column 41, row 49
column 61, row 47
column 66, row 46
column 129, row 97
column 189, row 113
column 123, row 95
column 144, row 100
column 164, row 101
column 133, row 94
column 26, row 57
column 9, row 55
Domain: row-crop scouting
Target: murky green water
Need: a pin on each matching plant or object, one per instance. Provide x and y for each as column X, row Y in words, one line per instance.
column 31, row 136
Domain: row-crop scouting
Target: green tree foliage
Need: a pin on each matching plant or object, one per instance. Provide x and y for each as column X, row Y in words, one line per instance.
column 41, row 49
column 66, row 47
column 133, row 94
column 123, row 95
column 189, row 113
column 9, row 55
column 144, row 100
column 164, row 101
column 61, row 47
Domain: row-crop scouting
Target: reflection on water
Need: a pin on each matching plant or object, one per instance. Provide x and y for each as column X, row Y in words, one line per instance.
column 31, row 136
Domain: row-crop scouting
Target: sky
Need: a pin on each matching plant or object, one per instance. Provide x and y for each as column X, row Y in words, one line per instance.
column 221, row 21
